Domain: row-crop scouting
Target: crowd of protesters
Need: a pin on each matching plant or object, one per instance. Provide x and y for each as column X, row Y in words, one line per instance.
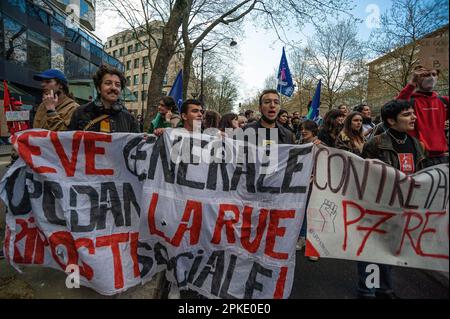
column 413, row 125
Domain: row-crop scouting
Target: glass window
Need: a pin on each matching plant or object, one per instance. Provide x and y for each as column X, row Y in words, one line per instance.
column 137, row 47
column 57, row 26
column 110, row 43
column 145, row 61
column 38, row 13
column 130, row 49
column 117, row 41
column 2, row 51
column 92, row 68
column 84, row 43
column 70, row 65
column 144, row 78
column 115, row 53
column 128, row 80
column 57, row 52
column 83, row 70
column 15, row 41
column 38, row 51
column 18, row 4
column 136, row 63
column 122, row 52
column 136, row 94
column 95, row 50
column 136, row 79
column 128, row 65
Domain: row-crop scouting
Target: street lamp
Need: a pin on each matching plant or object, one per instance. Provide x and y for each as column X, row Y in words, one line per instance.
column 232, row 44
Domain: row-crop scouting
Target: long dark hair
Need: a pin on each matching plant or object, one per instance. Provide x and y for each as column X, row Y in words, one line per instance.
column 352, row 134
column 211, row 119
column 329, row 121
column 225, row 121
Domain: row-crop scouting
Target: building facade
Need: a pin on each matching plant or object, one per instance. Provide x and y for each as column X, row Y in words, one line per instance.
column 431, row 51
column 36, row 35
column 132, row 50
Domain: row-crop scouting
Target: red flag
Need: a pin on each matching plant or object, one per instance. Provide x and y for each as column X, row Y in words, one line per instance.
column 6, row 98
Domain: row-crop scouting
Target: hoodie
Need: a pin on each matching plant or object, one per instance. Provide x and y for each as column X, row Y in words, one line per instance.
column 431, row 115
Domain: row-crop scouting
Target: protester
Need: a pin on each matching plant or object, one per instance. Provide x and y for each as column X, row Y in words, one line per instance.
column 431, row 111
column 106, row 113
column 249, row 114
column 332, row 125
column 192, row 114
column 269, row 106
column 166, row 107
column 211, row 119
column 229, row 120
column 309, row 130
column 283, row 118
column 343, row 108
column 140, row 120
column 366, row 112
column 390, row 147
column 351, row 138
column 57, row 107
column 242, row 121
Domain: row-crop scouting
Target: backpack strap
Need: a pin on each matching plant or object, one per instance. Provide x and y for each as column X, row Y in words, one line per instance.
column 95, row 121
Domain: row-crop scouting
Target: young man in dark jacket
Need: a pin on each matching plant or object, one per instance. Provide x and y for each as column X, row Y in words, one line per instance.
column 403, row 152
column 431, row 111
column 106, row 113
column 269, row 106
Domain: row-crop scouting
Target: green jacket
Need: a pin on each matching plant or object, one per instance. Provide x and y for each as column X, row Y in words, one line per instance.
column 158, row 122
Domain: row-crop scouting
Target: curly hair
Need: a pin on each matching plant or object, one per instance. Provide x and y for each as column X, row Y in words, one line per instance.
column 106, row 69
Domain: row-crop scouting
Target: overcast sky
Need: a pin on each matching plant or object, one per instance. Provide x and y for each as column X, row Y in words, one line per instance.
column 260, row 51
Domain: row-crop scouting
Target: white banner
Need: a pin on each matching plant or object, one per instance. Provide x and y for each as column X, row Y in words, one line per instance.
column 12, row 116
column 368, row 211
column 123, row 207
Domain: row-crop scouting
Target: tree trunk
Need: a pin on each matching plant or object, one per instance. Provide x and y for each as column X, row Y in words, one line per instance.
column 188, row 51
column 165, row 53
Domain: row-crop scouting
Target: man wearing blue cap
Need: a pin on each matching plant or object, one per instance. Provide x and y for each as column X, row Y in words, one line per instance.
column 56, row 109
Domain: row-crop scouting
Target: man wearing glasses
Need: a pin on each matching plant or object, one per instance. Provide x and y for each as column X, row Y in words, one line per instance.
column 269, row 106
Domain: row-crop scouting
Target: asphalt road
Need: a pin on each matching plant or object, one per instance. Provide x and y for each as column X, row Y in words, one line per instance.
column 336, row 279
column 323, row 279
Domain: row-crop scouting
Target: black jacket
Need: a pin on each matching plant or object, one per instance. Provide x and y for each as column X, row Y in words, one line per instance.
column 285, row 136
column 380, row 147
column 120, row 119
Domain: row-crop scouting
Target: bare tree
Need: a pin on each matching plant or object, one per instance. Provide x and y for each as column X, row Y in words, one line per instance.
column 397, row 40
column 332, row 51
column 355, row 90
column 198, row 18
column 304, row 82
column 221, row 94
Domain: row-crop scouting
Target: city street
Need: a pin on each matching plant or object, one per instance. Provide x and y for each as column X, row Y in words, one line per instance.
column 323, row 279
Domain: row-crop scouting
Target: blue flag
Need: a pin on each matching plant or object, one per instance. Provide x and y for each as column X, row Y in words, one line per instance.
column 177, row 90
column 313, row 113
column 285, row 85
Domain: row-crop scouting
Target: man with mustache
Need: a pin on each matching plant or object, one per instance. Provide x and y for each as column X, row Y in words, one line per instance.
column 56, row 109
column 106, row 113
column 431, row 111
column 269, row 107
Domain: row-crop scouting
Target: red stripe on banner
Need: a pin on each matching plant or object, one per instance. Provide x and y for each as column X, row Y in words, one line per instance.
column 310, row 251
column 280, row 283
